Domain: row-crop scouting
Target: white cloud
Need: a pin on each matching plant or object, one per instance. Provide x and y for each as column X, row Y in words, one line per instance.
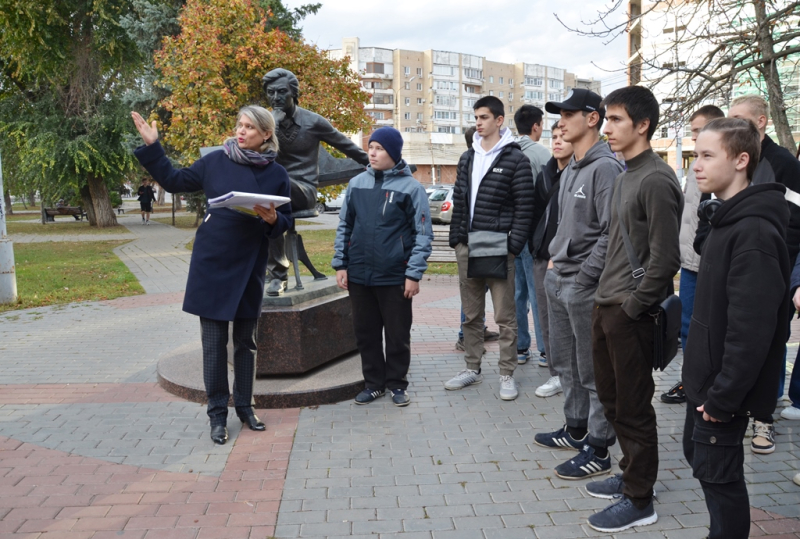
column 500, row 30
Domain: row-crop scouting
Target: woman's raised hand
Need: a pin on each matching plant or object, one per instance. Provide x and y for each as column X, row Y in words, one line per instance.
column 149, row 132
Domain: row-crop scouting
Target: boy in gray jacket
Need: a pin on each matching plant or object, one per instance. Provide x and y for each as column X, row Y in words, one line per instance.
column 578, row 253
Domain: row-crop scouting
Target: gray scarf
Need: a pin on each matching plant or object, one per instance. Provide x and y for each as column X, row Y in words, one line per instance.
column 247, row 157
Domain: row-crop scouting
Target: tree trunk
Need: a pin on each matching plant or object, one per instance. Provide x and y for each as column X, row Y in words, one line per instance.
column 7, row 199
column 161, row 196
column 32, row 198
column 103, row 210
column 769, row 70
column 178, row 204
column 88, row 207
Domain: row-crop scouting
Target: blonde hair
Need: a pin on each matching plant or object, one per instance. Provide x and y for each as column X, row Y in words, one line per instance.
column 758, row 105
column 265, row 123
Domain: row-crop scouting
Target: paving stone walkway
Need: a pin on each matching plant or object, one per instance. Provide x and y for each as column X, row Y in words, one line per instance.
column 92, row 447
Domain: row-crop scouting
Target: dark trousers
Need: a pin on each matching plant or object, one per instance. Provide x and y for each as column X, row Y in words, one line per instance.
column 215, row 365
column 622, row 350
column 379, row 310
column 304, row 197
column 716, row 455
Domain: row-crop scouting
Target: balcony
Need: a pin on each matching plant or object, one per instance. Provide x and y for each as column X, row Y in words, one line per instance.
column 383, row 106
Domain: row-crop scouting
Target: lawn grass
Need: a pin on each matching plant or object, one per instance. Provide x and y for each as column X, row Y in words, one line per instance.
column 23, row 216
column 319, row 246
column 181, row 221
column 17, row 206
column 68, row 227
column 65, row 272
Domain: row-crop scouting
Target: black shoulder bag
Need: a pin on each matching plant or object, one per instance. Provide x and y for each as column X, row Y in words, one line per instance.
column 666, row 315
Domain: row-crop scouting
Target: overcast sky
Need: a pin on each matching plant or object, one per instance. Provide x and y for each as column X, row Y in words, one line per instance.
column 500, row 30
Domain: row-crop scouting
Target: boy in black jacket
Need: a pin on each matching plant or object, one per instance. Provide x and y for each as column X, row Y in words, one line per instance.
column 736, row 339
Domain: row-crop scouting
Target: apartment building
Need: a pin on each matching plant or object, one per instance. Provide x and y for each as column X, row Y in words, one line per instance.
column 429, row 95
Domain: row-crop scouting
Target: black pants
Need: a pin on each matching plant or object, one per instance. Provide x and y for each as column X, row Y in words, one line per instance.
column 304, row 197
column 716, row 455
column 215, row 365
column 622, row 350
column 379, row 310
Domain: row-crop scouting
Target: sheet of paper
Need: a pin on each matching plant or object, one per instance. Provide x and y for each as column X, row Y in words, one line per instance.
column 244, row 202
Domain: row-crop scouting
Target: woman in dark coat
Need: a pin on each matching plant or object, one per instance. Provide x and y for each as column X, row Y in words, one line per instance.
column 229, row 259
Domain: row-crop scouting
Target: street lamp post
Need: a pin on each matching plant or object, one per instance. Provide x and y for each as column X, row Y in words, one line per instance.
column 8, row 279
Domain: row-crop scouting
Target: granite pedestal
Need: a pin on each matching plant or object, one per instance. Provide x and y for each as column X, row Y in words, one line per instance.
column 306, row 347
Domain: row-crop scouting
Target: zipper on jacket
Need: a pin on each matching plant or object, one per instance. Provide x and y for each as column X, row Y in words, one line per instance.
column 385, row 203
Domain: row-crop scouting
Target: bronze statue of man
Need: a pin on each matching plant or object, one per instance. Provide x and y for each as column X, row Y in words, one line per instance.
column 299, row 132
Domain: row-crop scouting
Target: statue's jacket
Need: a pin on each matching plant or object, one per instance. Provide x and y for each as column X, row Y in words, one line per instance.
column 229, row 258
column 384, row 235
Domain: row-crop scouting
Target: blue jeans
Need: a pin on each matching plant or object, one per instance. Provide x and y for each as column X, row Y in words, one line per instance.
column 688, row 283
column 524, row 294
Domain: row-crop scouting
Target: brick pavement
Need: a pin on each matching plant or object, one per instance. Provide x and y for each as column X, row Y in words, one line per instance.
column 91, row 447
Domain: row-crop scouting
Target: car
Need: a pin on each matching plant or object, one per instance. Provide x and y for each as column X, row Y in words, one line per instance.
column 441, row 205
column 331, row 204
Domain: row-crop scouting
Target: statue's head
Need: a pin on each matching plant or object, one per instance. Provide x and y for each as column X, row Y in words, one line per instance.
column 282, row 89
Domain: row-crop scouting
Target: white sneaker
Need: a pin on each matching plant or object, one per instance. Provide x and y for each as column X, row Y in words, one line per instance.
column 549, row 388
column 508, row 388
column 790, row 412
column 463, row 379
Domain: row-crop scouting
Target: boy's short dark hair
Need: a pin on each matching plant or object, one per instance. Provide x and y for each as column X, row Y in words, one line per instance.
column 709, row 112
column 469, row 134
column 638, row 102
column 526, row 117
column 555, row 126
column 738, row 136
column 494, row 105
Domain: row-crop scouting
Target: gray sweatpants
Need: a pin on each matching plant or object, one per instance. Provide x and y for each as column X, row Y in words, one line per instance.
column 539, row 271
column 570, row 311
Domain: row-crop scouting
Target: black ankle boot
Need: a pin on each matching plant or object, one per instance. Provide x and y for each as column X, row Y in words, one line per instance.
column 219, row 434
column 250, row 419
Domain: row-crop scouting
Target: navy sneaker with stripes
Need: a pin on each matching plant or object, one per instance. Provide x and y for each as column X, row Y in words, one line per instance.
column 586, row 464
column 368, row 395
column 559, row 439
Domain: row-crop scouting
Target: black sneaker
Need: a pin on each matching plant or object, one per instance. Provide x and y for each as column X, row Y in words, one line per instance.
column 675, row 395
column 460, row 344
column 586, row 464
column 608, row 489
column 400, row 397
column 369, row 395
column 559, row 439
column 621, row 516
column 489, row 336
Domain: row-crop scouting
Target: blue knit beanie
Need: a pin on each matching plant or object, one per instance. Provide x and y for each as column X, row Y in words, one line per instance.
column 391, row 140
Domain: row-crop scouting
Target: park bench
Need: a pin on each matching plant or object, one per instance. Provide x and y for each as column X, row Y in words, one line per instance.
column 441, row 250
column 75, row 211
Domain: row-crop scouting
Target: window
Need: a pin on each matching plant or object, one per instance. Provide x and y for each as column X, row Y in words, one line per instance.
column 447, row 129
column 445, row 115
column 471, row 73
column 446, row 100
column 491, row 92
column 501, row 80
column 380, row 99
column 664, row 132
column 511, row 108
column 376, row 115
column 419, row 116
column 408, row 86
column 420, row 101
column 406, row 70
column 446, row 85
column 556, row 84
column 472, row 89
column 547, row 134
column 407, row 116
column 534, row 81
column 419, row 86
column 510, row 96
column 373, row 84
column 443, row 70
column 511, row 82
column 491, row 79
column 373, row 67
column 553, row 96
column 408, row 101
column 419, row 71
column 440, row 195
column 501, row 95
column 534, row 95
column 469, row 117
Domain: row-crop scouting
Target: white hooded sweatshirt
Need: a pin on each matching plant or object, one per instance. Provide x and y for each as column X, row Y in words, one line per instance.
column 481, row 163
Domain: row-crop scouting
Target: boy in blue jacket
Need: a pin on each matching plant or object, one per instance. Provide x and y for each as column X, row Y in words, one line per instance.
column 381, row 250
column 735, row 347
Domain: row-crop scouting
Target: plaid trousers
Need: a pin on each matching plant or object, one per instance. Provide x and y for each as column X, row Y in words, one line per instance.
column 215, row 365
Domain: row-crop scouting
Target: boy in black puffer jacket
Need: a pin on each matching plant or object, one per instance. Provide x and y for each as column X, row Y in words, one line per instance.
column 736, row 339
column 493, row 192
